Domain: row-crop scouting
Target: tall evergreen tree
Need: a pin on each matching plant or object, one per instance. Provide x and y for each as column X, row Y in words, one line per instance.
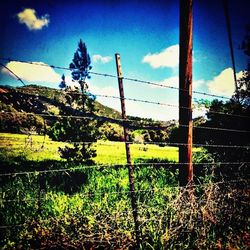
column 80, row 131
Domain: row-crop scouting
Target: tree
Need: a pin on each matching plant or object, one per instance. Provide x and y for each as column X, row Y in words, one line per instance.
column 235, row 122
column 63, row 85
column 232, row 118
column 82, row 131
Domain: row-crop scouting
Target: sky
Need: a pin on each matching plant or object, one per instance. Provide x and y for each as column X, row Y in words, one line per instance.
column 144, row 33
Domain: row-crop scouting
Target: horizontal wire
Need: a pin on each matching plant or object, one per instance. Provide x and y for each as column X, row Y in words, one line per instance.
column 174, row 144
column 159, row 189
column 105, row 118
column 160, row 103
column 114, row 76
column 118, row 166
column 166, row 104
column 156, row 103
column 111, row 143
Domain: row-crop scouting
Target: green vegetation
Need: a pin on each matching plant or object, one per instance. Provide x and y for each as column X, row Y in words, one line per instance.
column 86, row 207
column 39, row 148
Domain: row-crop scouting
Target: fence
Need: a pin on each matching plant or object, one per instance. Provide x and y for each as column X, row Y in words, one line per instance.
column 154, row 189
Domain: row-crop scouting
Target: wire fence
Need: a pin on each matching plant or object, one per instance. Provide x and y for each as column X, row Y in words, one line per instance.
column 40, row 197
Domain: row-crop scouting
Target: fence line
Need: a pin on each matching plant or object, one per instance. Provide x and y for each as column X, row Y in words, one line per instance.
column 108, row 166
column 156, row 103
column 157, row 189
column 115, row 120
column 148, row 143
column 116, row 77
column 129, row 123
column 18, row 78
column 145, row 143
column 166, row 104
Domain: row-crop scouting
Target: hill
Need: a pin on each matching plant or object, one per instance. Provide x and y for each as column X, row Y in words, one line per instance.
column 34, row 108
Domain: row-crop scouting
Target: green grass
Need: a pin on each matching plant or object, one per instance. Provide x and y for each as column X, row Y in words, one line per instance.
column 91, row 208
column 107, row 152
column 32, row 147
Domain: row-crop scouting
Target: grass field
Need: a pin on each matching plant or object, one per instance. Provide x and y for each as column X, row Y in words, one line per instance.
column 90, row 208
column 38, row 148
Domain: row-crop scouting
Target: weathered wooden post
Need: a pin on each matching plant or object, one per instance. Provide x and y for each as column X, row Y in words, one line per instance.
column 127, row 147
column 185, row 93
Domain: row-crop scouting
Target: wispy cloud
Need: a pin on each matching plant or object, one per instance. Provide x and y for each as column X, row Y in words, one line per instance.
column 101, row 59
column 223, row 84
column 169, row 58
column 33, row 73
column 29, row 18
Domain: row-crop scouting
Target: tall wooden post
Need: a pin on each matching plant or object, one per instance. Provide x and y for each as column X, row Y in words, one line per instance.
column 185, row 93
column 127, row 147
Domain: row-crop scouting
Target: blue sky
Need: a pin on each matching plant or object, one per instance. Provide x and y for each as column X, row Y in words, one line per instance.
column 146, row 35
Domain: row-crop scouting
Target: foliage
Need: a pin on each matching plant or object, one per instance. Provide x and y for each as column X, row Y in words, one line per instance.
column 91, row 208
column 111, row 132
column 99, row 216
column 233, row 117
column 71, row 129
column 227, row 123
column 19, row 122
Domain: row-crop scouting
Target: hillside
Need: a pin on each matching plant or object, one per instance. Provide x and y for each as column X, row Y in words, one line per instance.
column 44, row 99
column 31, row 107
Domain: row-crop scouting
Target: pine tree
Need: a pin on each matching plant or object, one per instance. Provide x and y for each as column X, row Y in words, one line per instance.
column 81, row 132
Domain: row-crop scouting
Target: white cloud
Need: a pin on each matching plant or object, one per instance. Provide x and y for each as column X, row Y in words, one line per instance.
column 169, row 57
column 198, row 84
column 173, row 81
column 223, row 84
column 33, row 73
column 102, row 59
column 29, row 18
column 109, row 91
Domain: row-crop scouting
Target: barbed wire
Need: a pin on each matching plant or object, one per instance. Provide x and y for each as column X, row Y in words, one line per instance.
column 109, row 166
column 114, row 76
column 163, row 143
column 155, row 189
column 125, row 122
column 158, row 143
column 152, row 102
column 198, row 108
column 167, row 104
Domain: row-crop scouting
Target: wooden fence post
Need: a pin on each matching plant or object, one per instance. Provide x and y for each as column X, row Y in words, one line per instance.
column 185, row 93
column 126, row 139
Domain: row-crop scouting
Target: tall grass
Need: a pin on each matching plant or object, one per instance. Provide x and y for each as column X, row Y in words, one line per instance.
column 91, row 208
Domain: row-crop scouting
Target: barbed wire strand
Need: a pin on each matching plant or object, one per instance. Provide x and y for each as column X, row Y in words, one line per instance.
column 168, row 105
column 114, row 76
column 36, row 172
column 112, row 143
column 198, row 108
column 105, row 118
column 156, row 189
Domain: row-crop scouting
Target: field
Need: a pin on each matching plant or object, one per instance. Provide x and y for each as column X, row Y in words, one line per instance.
column 39, row 148
column 60, row 205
